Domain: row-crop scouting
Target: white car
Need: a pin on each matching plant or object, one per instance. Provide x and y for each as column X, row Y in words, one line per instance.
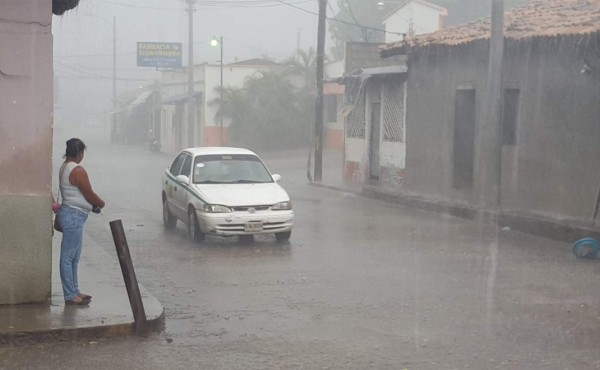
column 225, row 192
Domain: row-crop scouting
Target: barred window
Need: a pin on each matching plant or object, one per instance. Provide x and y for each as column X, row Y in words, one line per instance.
column 355, row 121
column 393, row 112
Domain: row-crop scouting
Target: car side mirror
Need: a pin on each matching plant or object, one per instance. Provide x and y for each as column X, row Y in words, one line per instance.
column 276, row 177
column 183, row 178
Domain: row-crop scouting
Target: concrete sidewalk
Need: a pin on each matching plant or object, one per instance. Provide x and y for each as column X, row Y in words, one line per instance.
column 108, row 315
column 333, row 164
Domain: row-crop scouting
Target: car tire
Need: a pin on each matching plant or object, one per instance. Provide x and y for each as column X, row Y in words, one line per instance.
column 196, row 235
column 168, row 219
column 283, row 237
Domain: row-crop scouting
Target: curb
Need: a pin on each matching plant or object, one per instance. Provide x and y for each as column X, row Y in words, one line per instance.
column 155, row 325
column 534, row 225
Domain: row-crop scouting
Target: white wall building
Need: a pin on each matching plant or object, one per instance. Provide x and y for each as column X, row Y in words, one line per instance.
column 413, row 17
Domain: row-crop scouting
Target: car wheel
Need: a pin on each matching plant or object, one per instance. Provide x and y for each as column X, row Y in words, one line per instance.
column 283, row 237
column 168, row 219
column 196, row 235
column 246, row 239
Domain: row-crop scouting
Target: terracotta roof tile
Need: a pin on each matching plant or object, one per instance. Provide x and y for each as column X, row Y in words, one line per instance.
column 541, row 18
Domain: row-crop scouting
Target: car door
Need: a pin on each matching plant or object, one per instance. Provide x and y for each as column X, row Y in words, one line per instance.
column 172, row 188
column 182, row 192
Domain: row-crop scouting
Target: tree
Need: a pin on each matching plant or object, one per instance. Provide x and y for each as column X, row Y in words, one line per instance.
column 268, row 112
column 303, row 64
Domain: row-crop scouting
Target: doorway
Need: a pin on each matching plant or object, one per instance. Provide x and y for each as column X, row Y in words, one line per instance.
column 374, row 140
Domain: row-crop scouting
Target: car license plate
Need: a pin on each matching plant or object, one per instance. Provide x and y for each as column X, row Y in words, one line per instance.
column 253, row 226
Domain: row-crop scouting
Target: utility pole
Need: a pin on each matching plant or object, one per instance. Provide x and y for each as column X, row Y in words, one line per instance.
column 221, row 116
column 319, row 100
column 114, row 82
column 191, row 105
column 491, row 164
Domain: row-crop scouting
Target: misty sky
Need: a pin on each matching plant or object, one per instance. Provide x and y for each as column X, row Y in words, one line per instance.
column 83, row 41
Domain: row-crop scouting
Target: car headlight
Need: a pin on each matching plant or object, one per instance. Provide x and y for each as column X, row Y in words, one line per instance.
column 215, row 208
column 282, row 206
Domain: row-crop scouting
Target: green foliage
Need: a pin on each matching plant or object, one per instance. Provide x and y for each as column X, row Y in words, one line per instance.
column 268, row 112
column 303, row 64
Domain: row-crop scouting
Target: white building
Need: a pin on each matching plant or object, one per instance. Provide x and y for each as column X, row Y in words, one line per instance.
column 333, row 95
column 207, row 80
column 413, row 17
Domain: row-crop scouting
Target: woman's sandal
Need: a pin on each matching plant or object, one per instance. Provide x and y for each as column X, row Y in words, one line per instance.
column 85, row 297
column 73, row 302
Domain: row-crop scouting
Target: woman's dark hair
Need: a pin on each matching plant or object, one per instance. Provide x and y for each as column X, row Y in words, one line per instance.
column 74, row 147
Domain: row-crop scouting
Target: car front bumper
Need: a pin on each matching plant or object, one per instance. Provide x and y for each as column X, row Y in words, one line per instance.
column 245, row 223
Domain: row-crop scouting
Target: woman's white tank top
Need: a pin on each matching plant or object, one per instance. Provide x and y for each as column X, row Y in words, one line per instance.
column 71, row 194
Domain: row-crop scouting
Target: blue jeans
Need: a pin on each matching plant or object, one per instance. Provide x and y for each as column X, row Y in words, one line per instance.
column 71, row 221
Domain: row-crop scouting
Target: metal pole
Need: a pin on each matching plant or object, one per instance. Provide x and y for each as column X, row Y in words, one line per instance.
column 131, row 283
column 319, row 100
column 191, row 105
column 221, row 116
column 491, row 164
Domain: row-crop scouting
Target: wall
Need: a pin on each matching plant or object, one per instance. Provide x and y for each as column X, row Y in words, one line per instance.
column 333, row 129
column 432, row 81
column 25, row 151
column 553, row 170
column 425, row 19
column 355, row 160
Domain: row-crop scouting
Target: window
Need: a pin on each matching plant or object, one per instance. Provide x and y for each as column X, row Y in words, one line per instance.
column 176, row 166
column 464, row 138
column 230, row 168
column 510, row 112
column 186, row 169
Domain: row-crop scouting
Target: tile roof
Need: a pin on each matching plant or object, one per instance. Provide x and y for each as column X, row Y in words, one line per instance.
column 546, row 18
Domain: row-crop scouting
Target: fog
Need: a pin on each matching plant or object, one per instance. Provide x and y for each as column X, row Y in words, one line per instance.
column 83, row 43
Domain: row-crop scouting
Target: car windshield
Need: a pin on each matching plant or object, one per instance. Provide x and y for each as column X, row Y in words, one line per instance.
column 230, row 169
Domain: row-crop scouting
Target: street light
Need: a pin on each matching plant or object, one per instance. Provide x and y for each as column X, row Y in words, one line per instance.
column 214, row 43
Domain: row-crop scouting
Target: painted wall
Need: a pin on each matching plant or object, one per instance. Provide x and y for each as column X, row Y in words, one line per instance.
column 25, row 151
column 432, row 82
column 553, row 170
column 354, row 154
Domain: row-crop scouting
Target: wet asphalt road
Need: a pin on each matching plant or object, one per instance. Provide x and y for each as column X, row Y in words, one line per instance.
column 361, row 285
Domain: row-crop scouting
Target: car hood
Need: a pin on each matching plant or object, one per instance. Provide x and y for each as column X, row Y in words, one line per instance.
column 242, row 194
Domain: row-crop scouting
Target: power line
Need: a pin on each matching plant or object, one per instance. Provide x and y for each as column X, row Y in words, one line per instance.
column 350, row 23
column 159, row 25
column 214, row 3
column 341, row 21
column 95, row 75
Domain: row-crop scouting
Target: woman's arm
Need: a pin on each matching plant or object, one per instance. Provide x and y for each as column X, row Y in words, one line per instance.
column 79, row 178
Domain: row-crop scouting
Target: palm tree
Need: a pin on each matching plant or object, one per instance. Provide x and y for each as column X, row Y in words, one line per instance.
column 269, row 112
column 304, row 64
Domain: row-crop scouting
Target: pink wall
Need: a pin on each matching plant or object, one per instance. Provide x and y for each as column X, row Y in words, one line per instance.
column 26, row 79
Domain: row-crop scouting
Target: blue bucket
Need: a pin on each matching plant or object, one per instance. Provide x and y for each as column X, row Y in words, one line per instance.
column 586, row 248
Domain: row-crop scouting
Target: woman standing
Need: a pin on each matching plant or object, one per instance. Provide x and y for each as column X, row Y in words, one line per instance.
column 78, row 199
